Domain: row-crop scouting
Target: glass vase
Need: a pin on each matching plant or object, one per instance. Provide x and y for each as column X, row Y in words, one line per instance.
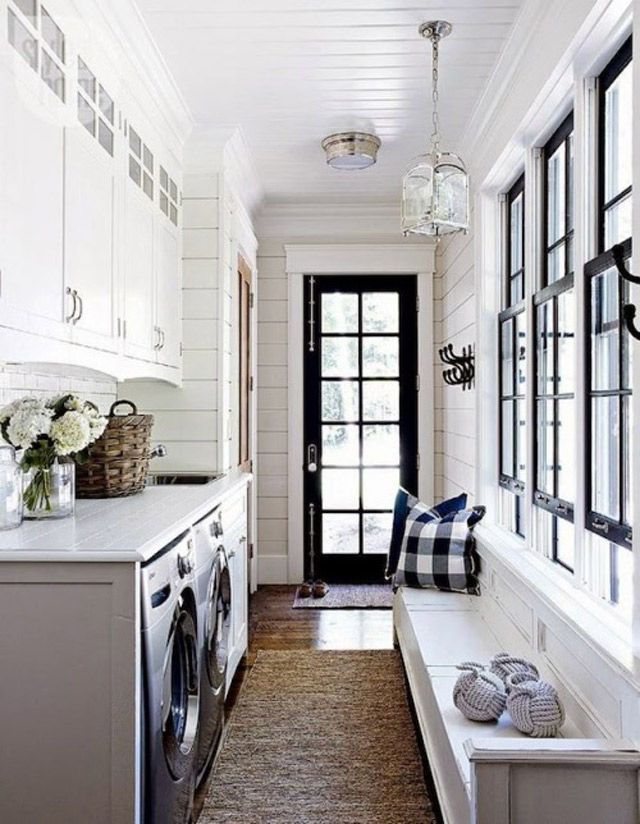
column 49, row 492
column 10, row 489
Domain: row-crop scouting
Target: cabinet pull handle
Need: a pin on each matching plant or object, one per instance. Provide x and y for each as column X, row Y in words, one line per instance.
column 74, row 297
column 81, row 308
column 600, row 525
column 156, row 338
column 162, row 338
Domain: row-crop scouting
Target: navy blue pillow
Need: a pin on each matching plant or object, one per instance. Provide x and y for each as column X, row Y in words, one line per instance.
column 403, row 503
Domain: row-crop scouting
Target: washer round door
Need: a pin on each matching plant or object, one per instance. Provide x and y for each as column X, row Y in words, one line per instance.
column 218, row 623
column 180, row 694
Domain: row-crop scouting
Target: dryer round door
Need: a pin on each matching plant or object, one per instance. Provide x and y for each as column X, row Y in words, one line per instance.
column 218, row 623
column 180, row 694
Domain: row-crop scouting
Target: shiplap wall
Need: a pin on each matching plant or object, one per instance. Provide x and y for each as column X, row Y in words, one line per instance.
column 19, row 380
column 272, row 413
column 454, row 322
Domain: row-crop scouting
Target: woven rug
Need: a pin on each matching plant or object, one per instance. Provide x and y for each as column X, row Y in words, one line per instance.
column 349, row 596
column 320, row 738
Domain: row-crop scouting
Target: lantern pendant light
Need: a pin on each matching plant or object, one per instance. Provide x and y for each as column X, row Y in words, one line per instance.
column 435, row 189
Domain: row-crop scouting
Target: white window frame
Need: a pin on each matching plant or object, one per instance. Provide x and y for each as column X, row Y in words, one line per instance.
column 575, row 88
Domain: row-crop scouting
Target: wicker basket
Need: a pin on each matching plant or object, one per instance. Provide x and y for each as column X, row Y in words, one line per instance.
column 119, row 460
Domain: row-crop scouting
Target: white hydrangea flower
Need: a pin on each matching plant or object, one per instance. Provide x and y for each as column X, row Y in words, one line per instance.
column 71, row 433
column 7, row 411
column 28, row 420
column 97, row 422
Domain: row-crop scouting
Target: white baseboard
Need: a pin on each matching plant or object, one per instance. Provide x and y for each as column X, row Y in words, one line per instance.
column 273, row 569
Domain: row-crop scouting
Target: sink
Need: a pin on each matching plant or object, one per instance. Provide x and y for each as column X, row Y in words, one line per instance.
column 181, row 478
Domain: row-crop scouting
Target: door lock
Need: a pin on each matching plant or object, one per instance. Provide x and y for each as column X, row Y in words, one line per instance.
column 312, row 458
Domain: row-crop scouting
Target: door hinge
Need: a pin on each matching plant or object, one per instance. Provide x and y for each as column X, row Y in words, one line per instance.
column 252, row 300
column 417, row 383
column 250, row 551
column 250, row 383
column 417, row 460
column 417, row 303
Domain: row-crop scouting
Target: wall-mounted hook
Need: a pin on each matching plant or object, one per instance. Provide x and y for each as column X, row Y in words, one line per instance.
column 463, row 366
column 628, row 317
column 619, row 257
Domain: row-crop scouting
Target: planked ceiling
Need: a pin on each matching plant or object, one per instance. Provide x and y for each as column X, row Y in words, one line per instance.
column 292, row 71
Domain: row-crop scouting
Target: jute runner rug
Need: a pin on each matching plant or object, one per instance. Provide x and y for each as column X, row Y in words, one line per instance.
column 321, row 737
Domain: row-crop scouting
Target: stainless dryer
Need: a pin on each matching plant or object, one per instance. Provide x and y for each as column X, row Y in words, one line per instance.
column 214, row 621
column 171, row 683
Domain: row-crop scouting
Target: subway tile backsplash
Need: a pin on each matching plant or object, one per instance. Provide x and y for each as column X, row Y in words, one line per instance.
column 25, row 379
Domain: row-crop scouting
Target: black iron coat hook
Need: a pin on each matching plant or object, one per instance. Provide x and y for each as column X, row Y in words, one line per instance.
column 628, row 310
column 463, row 370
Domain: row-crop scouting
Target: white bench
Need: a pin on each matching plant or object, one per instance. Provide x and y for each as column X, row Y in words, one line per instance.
column 491, row 773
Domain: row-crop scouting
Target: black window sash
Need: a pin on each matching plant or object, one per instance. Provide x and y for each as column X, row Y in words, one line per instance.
column 560, row 136
column 512, row 194
column 615, row 531
column 541, row 498
column 607, row 77
column 507, row 481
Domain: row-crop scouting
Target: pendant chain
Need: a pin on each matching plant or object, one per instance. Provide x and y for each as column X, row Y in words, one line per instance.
column 435, row 136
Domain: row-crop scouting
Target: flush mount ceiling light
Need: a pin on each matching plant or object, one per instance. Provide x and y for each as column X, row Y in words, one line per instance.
column 435, row 189
column 351, row 150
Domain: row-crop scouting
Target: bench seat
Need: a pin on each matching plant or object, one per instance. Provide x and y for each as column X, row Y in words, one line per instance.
column 436, row 631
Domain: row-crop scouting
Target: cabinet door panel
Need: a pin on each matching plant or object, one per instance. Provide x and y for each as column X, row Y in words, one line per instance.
column 31, row 213
column 89, row 237
column 139, row 277
column 169, row 292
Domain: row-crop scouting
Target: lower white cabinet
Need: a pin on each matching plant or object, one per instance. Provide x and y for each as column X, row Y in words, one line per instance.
column 235, row 525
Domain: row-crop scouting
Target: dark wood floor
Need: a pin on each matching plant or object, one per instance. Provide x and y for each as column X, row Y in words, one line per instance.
column 274, row 625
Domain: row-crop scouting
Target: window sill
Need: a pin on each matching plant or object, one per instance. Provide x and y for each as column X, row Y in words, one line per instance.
column 590, row 620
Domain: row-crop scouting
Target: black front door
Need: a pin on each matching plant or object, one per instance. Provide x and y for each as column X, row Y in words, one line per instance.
column 360, row 425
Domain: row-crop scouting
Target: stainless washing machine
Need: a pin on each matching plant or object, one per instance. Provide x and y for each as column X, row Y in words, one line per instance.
column 213, row 586
column 171, row 682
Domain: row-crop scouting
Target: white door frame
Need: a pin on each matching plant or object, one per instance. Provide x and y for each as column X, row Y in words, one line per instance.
column 354, row 259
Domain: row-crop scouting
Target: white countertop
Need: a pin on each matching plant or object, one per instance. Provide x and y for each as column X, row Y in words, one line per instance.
column 119, row 529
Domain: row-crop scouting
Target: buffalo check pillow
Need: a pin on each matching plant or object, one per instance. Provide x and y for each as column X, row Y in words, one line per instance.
column 404, row 503
column 439, row 552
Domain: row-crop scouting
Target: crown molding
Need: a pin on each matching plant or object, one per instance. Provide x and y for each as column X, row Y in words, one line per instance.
column 132, row 35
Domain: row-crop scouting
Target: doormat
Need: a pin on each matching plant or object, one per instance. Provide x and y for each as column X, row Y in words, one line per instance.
column 321, row 738
column 349, row 596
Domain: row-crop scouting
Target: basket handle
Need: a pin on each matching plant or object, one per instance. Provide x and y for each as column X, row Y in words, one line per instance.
column 112, row 411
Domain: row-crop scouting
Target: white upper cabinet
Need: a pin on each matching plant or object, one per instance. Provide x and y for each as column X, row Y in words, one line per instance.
column 168, row 295
column 31, row 216
column 139, row 278
column 90, row 251
column 89, row 240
